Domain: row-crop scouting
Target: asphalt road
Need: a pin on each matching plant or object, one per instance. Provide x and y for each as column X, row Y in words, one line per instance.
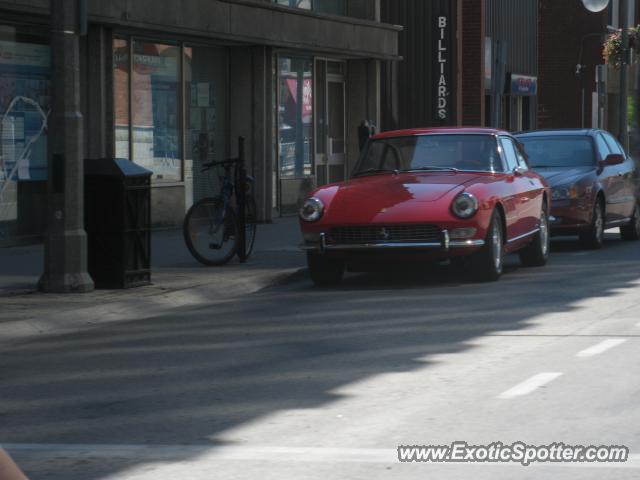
column 299, row 383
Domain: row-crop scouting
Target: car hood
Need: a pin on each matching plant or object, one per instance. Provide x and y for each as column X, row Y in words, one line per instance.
column 366, row 197
column 556, row 176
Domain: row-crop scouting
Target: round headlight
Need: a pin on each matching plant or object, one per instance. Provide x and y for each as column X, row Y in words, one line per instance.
column 465, row 205
column 312, row 209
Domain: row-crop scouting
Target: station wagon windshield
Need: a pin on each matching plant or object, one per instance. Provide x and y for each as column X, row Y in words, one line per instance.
column 431, row 153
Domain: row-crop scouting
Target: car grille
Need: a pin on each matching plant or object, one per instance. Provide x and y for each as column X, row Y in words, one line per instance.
column 385, row 234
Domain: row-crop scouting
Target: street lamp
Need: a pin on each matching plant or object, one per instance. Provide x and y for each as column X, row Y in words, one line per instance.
column 595, row 5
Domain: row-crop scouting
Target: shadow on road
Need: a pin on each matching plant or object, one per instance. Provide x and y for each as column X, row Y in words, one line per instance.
column 189, row 375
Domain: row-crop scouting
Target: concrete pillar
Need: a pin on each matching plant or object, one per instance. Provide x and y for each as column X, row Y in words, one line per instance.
column 65, row 268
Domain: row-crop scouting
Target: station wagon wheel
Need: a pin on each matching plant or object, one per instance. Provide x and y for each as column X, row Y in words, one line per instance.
column 631, row 231
column 593, row 236
column 536, row 254
column 487, row 264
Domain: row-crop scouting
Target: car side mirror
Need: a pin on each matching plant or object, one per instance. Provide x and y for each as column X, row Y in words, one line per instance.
column 612, row 159
column 519, row 171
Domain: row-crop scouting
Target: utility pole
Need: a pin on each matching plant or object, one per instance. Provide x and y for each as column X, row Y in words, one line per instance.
column 65, row 264
column 623, row 134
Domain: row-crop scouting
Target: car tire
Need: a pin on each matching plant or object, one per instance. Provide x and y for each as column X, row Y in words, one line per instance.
column 536, row 254
column 593, row 237
column 324, row 271
column 631, row 231
column 487, row 264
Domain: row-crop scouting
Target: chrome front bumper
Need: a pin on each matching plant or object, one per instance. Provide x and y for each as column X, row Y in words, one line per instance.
column 444, row 244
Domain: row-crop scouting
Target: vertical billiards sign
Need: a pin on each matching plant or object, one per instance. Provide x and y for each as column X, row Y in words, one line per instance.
column 442, row 78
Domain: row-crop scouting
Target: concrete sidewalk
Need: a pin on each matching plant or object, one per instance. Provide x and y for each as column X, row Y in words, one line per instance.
column 177, row 279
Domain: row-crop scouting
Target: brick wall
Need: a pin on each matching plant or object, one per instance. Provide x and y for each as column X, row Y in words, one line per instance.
column 563, row 24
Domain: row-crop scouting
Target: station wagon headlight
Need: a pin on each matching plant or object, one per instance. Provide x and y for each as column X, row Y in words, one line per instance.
column 564, row 192
column 465, row 205
column 312, row 210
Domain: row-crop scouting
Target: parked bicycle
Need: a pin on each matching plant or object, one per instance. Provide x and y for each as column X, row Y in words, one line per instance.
column 211, row 225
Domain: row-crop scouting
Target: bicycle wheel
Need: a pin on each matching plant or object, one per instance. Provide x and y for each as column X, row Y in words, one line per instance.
column 251, row 220
column 210, row 231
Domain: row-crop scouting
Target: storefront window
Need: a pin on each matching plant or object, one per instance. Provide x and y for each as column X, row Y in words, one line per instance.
column 295, row 116
column 155, row 97
column 24, row 108
column 334, row 7
column 150, row 95
column 206, row 113
column 306, row 4
column 147, row 98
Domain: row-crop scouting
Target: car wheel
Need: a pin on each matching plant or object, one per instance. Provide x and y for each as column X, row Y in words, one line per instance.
column 593, row 237
column 324, row 271
column 487, row 264
column 536, row 253
column 631, row 231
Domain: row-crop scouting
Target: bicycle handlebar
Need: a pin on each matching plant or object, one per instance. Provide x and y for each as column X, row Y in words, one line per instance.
column 226, row 163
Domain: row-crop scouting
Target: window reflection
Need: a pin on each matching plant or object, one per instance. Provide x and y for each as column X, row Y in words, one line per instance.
column 121, row 96
column 155, row 101
column 306, row 4
column 295, row 116
column 334, row 7
column 24, row 108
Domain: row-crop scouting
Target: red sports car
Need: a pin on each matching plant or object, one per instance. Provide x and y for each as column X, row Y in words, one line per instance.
column 430, row 194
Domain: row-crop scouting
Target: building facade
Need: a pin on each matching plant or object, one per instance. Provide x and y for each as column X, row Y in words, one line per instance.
column 466, row 62
column 569, row 58
column 172, row 85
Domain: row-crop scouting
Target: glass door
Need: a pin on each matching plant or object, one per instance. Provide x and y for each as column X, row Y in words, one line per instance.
column 295, row 132
column 331, row 130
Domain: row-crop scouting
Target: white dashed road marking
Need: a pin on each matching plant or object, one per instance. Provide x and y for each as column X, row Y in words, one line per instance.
column 530, row 385
column 600, row 347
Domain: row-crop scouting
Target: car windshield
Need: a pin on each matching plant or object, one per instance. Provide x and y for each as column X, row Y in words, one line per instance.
column 564, row 152
column 431, row 152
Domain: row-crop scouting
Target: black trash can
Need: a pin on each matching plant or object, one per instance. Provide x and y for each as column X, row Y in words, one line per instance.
column 117, row 214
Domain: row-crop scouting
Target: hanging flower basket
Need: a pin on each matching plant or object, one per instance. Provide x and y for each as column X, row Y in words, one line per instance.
column 612, row 48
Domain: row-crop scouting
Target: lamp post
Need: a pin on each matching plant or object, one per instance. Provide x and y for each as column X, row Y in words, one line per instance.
column 65, row 263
